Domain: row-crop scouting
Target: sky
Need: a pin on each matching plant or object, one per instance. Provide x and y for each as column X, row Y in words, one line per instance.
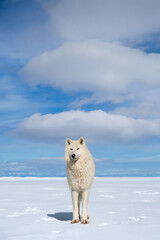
column 73, row 68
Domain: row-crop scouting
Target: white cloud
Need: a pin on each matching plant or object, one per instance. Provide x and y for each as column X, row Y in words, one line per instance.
column 49, row 23
column 52, row 159
column 98, row 98
column 95, row 126
column 146, row 107
column 95, row 66
column 104, row 19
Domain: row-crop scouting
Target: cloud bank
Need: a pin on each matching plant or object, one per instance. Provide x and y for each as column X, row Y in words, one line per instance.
column 101, row 19
column 147, row 106
column 49, row 23
column 95, row 126
column 97, row 67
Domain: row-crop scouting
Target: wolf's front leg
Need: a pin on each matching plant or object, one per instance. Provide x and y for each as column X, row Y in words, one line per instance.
column 84, row 218
column 75, row 207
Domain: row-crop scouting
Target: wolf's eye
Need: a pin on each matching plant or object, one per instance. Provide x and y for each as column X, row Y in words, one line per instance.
column 71, row 148
column 77, row 148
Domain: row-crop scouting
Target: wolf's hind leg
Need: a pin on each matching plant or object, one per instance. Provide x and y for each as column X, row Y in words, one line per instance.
column 79, row 203
column 84, row 218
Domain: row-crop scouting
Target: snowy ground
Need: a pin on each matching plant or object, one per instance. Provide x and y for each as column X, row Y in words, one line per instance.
column 41, row 209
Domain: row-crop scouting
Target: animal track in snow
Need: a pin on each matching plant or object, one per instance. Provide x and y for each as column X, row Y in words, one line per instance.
column 147, row 192
column 45, row 219
column 106, row 196
column 103, row 224
column 136, row 219
column 27, row 211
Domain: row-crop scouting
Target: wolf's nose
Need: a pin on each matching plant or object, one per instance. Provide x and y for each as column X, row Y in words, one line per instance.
column 73, row 155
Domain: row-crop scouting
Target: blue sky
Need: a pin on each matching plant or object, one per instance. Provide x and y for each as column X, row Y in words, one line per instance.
column 79, row 68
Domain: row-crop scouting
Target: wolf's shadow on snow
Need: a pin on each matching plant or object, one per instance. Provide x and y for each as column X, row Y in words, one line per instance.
column 62, row 216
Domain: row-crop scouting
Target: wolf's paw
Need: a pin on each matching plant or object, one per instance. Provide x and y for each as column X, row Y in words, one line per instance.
column 85, row 221
column 87, row 217
column 75, row 221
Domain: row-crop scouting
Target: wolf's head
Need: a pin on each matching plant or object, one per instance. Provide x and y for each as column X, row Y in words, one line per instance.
column 74, row 149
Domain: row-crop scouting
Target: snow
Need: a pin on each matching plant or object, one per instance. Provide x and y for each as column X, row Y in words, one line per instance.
column 41, row 209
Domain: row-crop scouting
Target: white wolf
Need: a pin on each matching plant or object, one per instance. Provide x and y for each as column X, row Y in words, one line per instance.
column 80, row 175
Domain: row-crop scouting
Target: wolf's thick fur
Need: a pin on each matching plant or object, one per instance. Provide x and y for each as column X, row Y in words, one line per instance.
column 80, row 175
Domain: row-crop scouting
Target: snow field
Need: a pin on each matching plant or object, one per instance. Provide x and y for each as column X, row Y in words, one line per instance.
column 41, row 209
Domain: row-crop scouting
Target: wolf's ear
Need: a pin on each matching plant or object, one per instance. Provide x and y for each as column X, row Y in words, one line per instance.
column 68, row 141
column 81, row 140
